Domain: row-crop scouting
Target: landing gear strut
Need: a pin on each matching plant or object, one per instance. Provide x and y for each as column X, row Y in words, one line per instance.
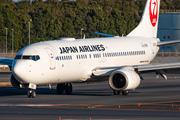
column 68, row 88
column 64, row 87
column 31, row 94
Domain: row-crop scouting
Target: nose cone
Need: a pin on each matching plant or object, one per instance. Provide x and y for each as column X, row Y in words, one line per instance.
column 19, row 70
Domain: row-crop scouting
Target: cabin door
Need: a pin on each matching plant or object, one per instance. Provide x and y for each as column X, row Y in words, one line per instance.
column 52, row 58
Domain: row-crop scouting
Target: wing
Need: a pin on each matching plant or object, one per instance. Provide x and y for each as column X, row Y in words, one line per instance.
column 6, row 61
column 159, row 68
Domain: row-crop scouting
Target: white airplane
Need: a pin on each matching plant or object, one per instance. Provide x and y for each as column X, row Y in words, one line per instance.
column 121, row 60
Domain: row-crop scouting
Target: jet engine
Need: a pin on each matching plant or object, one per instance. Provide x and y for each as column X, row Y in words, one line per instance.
column 124, row 79
column 14, row 82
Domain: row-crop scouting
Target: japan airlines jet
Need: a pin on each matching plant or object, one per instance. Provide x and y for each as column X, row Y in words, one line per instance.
column 120, row 60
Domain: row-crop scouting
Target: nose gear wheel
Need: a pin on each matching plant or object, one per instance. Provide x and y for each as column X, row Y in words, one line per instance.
column 31, row 94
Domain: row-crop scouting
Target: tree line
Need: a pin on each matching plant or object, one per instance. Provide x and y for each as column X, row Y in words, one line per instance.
column 53, row 19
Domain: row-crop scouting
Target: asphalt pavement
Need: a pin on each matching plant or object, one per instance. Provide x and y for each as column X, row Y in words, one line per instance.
column 155, row 98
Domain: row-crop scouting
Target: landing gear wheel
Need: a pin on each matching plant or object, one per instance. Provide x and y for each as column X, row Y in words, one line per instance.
column 60, row 88
column 68, row 88
column 31, row 94
column 125, row 92
column 116, row 92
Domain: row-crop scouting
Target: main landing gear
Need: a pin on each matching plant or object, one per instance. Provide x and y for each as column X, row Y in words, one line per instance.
column 67, row 87
column 31, row 94
column 116, row 92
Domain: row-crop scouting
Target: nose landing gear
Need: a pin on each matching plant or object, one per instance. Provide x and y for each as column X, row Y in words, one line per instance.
column 31, row 94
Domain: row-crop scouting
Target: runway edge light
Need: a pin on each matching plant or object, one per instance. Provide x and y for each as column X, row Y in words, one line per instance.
column 139, row 104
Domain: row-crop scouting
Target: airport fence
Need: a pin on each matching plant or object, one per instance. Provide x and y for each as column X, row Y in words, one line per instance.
column 8, row 55
column 163, row 11
column 168, row 54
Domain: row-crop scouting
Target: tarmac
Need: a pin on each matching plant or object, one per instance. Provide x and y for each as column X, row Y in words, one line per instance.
column 155, row 98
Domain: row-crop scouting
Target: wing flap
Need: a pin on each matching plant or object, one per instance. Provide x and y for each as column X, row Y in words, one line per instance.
column 160, row 66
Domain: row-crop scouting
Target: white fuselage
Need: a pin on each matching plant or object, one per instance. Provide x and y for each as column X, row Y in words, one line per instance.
column 64, row 61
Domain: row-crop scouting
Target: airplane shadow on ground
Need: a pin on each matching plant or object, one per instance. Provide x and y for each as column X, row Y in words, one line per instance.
column 10, row 91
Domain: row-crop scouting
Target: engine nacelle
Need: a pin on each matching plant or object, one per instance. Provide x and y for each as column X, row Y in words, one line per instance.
column 14, row 82
column 124, row 79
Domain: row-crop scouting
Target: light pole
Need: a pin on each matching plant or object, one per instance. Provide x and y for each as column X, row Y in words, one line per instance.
column 6, row 40
column 12, row 43
column 29, row 29
column 81, row 32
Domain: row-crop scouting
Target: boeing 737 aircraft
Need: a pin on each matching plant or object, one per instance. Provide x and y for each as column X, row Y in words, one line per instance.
column 120, row 60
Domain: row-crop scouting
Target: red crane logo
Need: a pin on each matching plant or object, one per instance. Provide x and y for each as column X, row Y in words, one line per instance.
column 153, row 12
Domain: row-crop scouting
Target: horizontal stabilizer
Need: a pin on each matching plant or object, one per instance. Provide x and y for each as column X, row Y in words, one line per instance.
column 168, row 42
column 103, row 34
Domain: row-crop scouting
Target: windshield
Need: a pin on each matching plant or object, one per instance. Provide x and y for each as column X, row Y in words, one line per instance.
column 28, row 57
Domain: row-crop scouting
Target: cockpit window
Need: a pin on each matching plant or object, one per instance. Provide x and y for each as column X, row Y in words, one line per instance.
column 18, row 56
column 28, row 57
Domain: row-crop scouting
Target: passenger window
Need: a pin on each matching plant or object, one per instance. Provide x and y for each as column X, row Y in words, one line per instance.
column 57, row 58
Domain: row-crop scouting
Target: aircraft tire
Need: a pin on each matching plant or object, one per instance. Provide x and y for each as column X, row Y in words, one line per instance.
column 116, row 92
column 33, row 94
column 68, row 88
column 60, row 88
column 125, row 92
column 29, row 94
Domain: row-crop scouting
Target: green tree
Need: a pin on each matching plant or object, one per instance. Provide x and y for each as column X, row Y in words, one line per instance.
column 68, row 28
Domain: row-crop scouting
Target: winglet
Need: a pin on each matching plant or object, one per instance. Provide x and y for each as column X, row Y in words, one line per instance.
column 103, row 34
